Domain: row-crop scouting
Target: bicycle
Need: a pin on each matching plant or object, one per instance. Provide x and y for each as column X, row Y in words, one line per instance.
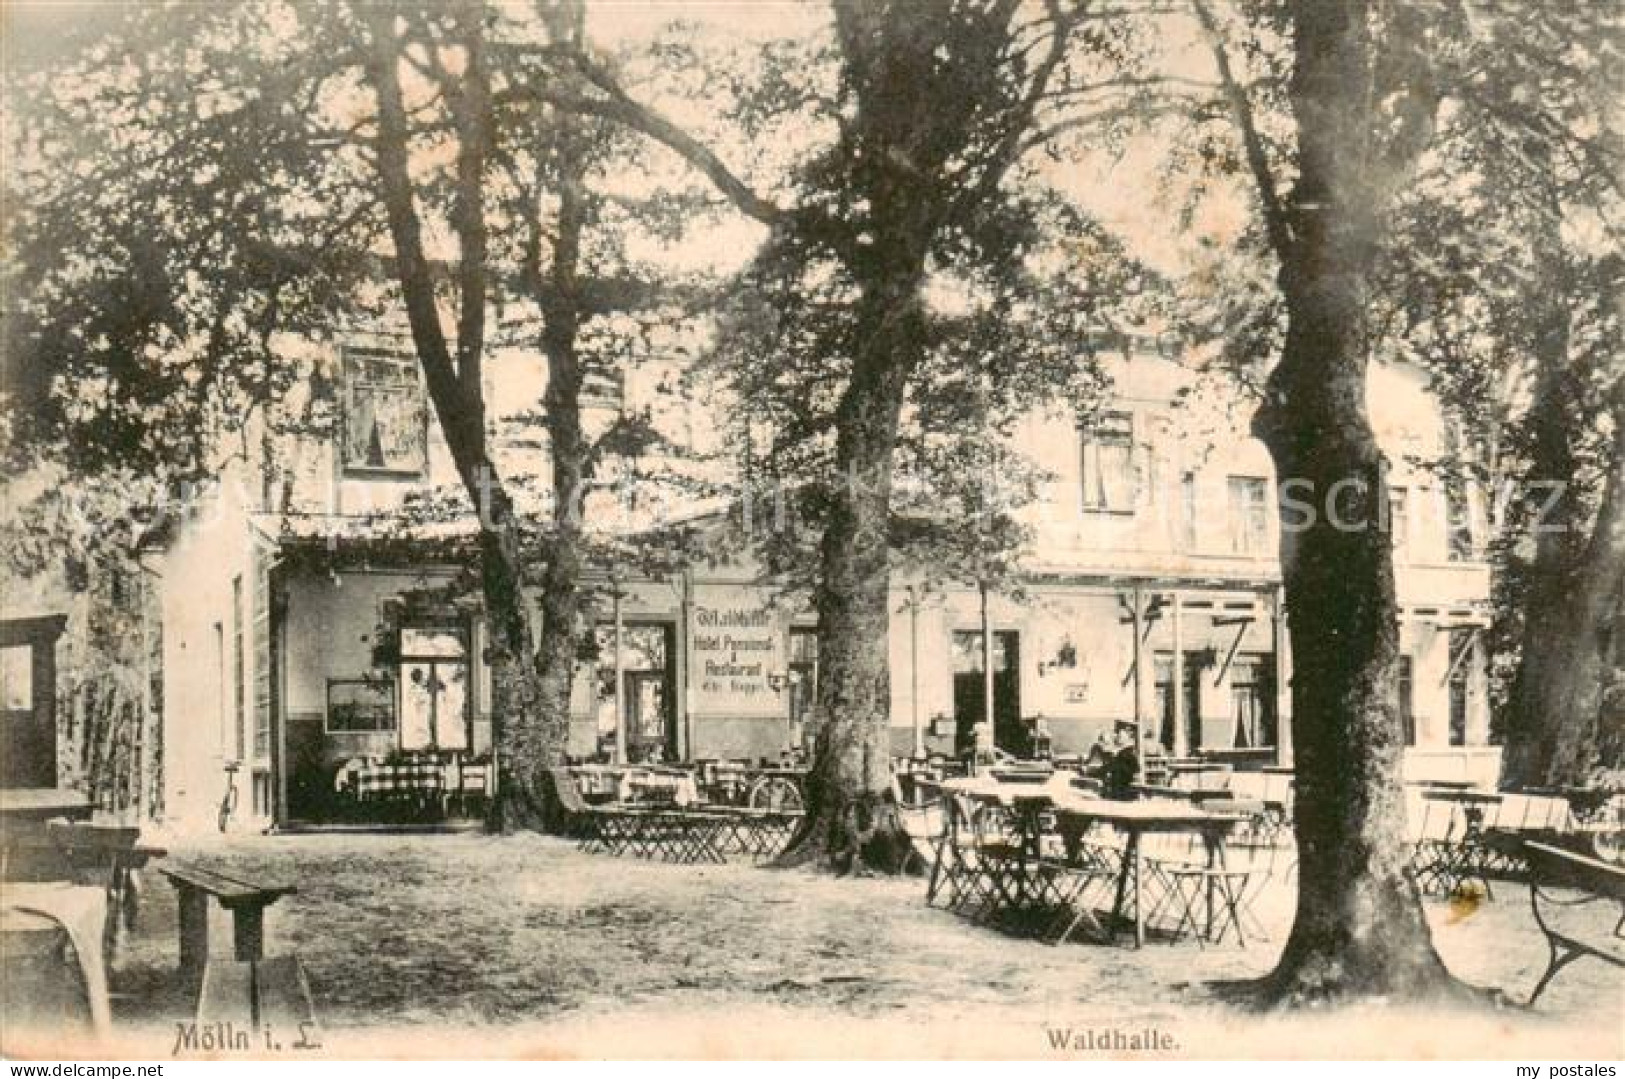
column 228, row 801
column 781, row 794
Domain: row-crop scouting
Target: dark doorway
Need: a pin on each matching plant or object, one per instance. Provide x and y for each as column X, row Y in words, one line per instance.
column 28, row 701
column 648, row 689
column 1195, row 663
column 1009, row 732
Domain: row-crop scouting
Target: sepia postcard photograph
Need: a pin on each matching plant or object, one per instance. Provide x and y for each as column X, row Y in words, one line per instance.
column 1062, row 530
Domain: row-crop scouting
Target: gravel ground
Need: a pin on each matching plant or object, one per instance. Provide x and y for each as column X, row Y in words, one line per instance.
column 455, row 945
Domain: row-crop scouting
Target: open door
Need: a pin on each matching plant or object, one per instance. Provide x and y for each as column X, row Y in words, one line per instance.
column 1009, row 733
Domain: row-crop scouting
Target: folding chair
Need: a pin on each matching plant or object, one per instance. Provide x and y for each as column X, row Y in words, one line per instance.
column 1250, row 865
column 974, row 857
column 1081, row 869
column 1431, row 826
column 592, row 826
column 927, row 829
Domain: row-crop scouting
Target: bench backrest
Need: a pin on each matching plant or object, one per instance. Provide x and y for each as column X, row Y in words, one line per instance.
column 1566, row 869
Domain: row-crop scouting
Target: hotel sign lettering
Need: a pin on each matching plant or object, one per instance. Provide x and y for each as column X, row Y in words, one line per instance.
column 736, row 643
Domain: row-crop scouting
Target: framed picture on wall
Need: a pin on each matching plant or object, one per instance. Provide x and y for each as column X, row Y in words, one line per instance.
column 360, row 705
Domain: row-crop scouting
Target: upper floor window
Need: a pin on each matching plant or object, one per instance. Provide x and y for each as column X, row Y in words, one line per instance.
column 1187, row 512
column 1108, row 463
column 1407, row 699
column 385, row 420
column 1399, row 517
column 1249, row 515
column 1459, row 522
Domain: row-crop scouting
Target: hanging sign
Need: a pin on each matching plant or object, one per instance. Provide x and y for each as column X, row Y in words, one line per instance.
column 736, row 653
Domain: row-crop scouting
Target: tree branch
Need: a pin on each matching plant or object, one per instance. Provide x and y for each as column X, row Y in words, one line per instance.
column 472, row 109
column 406, row 231
column 1275, row 219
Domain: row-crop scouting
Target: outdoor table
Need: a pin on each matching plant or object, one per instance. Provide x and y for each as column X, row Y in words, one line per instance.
column 663, row 785
column 81, row 912
column 1588, row 805
column 1135, row 820
column 1182, row 765
column 758, row 833
column 674, row 835
column 1197, row 772
column 419, row 779
column 1026, row 881
column 35, row 804
column 1463, row 859
column 1171, row 794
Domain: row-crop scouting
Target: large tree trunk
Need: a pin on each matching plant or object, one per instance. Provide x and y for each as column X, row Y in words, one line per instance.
column 1564, row 720
column 456, row 390
column 558, row 294
column 852, row 820
column 1570, row 588
column 898, row 136
column 1359, row 930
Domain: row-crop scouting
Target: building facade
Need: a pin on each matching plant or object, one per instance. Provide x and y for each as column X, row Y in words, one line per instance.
column 312, row 623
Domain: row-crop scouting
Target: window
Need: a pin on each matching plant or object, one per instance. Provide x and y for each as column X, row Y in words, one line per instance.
column 1458, row 521
column 17, row 679
column 385, row 421
column 1458, row 708
column 1461, row 659
column 968, row 652
column 1249, row 515
column 223, row 687
column 1187, row 512
column 360, row 705
column 803, row 673
column 434, row 687
column 1164, row 688
column 1407, row 699
column 1399, row 517
column 239, row 706
column 1108, row 463
column 1252, row 702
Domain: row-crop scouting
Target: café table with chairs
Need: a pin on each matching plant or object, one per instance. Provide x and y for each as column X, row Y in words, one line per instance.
column 1206, row 896
column 659, row 812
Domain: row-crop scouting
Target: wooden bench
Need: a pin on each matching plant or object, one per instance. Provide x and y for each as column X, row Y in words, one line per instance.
column 269, row 995
column 245, row 899
column 1588, row 881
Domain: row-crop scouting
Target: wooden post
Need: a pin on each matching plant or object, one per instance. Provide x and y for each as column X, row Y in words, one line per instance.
column 248, row 933
column 914, row 671
column 685, row 645
column 987, row 676
column 621, row 733
column 194, row 931
column 1176, row 690
column 1139, row 695
column 1283, row 679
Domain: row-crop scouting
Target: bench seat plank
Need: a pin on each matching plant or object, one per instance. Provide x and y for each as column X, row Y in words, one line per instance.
column 230, row 891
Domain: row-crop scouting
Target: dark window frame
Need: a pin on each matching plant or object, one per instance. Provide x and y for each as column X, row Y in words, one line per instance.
column 410, row 385
column 1114, row 431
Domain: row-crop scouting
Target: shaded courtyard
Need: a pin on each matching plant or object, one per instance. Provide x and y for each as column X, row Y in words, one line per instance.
column 526, row 946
